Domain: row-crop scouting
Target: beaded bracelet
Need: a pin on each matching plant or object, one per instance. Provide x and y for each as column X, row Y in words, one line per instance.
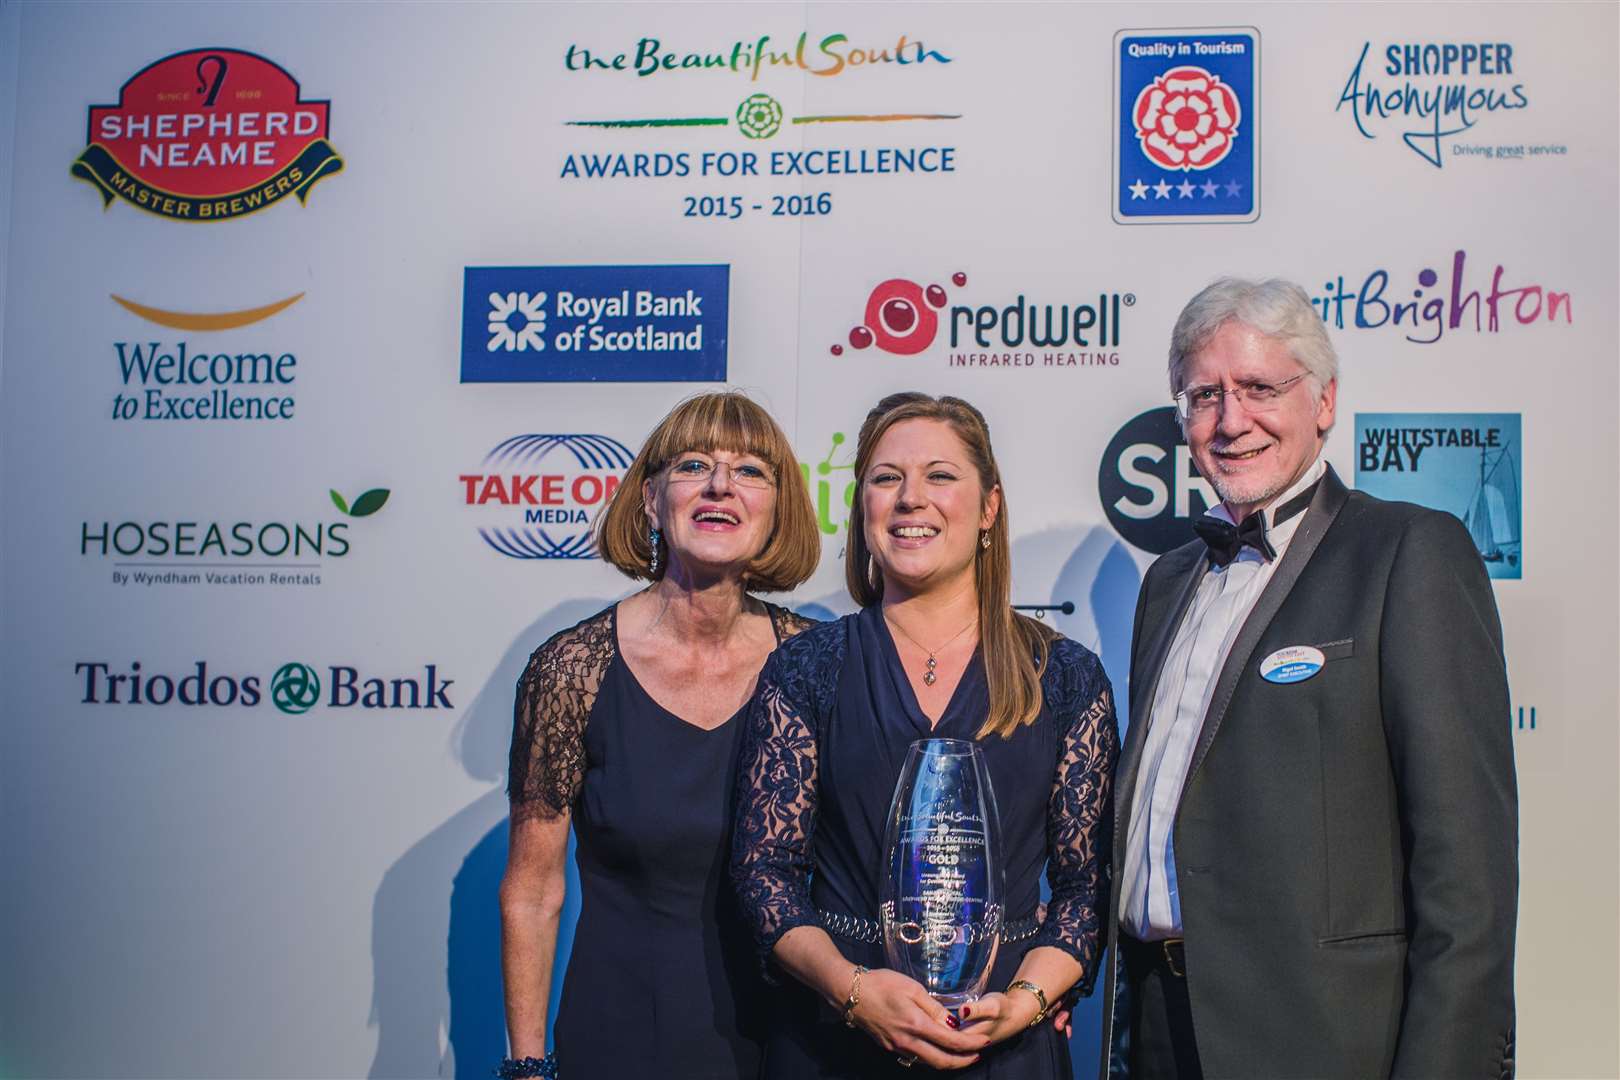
column 854, row 998
column 522, row 1068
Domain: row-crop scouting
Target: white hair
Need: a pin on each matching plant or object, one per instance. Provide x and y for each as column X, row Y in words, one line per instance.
column 1278, row 309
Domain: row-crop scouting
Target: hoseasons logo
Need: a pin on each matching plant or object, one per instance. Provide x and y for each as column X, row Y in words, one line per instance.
column 207, row 135
column 295, row 687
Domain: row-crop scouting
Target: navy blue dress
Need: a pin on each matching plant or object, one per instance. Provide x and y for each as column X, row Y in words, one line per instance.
column 662, row 980
column 828, row 731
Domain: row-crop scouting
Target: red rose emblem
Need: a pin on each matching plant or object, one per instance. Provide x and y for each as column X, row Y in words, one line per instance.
column 1186, row 119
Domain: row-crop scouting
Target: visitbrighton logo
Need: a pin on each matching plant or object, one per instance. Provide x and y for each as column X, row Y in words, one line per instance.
column 1187, row 107
column 536, row 496
column 208, row 135
column 594, row 323
column 904, row 318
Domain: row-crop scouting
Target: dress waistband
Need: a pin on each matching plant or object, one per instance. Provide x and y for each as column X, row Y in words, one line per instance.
column 870, row 931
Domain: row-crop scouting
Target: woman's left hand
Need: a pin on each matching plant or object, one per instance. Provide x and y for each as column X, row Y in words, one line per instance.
column 1000, row 1016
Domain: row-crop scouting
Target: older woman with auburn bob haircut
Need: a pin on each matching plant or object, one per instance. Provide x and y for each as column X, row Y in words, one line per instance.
column 935, row 651
column 627, row 726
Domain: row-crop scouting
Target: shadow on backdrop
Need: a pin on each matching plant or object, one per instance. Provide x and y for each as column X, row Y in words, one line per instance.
column 436, row 997
column 1094, row 570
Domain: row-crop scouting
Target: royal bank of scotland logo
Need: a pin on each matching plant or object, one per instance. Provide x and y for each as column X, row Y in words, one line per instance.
column 517, row 321
column 1187, row 112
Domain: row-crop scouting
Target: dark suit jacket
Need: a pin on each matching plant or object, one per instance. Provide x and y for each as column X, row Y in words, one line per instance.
column 1347, row 846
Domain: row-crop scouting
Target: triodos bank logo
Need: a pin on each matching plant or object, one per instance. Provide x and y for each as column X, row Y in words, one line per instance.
column 536, row 495
column 295, row 687
column 904, row 318
column 1187, row 107
column 207, row 135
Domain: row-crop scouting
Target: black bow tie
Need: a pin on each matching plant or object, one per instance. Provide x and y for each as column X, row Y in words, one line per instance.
column 1225, row 540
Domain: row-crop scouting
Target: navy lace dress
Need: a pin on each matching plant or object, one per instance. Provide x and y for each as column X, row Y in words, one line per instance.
column 662, row 980
column 828, row 730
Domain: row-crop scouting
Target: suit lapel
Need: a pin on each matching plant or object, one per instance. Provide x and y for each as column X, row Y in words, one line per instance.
column 1163, row 616
column 1325, row 506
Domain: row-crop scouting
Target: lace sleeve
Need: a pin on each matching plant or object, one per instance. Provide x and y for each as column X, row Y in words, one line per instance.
column 777, row 781
column 789, row 623
column 1078, row 816
column 554, row 697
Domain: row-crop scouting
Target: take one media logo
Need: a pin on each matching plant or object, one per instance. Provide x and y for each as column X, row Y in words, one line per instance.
column 293, row 688
column 1187, row 125
column 1467, row 464
column 904, row 318
column 207, row 135
column 595, row 323
column 536, row 496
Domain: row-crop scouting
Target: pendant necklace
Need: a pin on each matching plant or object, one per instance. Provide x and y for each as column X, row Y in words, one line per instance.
column 929, row 677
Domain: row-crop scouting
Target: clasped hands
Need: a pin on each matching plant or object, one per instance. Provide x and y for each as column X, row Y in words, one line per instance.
column 899, row 1013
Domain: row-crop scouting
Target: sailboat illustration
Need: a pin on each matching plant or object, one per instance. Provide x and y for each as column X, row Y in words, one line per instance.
column 1493, row 514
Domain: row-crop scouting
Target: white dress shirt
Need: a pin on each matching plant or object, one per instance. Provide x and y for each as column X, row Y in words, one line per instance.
column 1150, row 906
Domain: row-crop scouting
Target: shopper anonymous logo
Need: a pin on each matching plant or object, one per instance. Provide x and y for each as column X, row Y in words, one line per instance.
column 1147, row 482
column 295, row 688
column 539, row 493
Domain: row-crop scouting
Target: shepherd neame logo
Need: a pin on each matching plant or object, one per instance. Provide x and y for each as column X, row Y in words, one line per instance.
column 294, row 688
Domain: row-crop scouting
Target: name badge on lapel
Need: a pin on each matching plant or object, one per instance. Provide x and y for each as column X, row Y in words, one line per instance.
column 1291, row 664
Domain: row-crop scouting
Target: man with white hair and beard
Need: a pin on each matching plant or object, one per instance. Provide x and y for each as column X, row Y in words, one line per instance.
column 1315, row 863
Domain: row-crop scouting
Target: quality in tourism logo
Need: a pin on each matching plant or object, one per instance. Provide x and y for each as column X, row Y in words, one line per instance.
column 295, row 687
column 181, row 381
column 163, row 550
column 1187, row 112
column 1467, row 464
column 904, row 318
column 535, row 496
column 1148, row 485
column 594, row 323
column 1440, row 304
column 1436, row 93
column 208, row 135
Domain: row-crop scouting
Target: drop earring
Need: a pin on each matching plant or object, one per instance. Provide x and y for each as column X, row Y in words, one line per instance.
column 653, row 536
column 984, row 540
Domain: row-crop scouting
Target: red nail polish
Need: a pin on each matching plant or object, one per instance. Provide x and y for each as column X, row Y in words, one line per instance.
column 952, row 1021
column 966, row 1011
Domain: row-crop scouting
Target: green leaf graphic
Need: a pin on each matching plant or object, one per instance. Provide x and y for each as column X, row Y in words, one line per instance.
column 337, row 500
column 369, row 503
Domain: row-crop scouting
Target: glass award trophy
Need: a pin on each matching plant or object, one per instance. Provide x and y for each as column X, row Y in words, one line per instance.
column 942, row 886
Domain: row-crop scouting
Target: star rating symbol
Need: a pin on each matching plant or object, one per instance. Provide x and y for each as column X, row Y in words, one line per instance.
column 1185, row 188
column 1211, row 189
column 1161, row 190
column 1234, row 188
column 1139, row 190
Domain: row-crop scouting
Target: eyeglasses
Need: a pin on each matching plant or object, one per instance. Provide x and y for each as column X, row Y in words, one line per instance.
column 1197, row 403
column 694, row 469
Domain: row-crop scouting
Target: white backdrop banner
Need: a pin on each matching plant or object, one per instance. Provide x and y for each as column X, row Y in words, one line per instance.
column 328, row 330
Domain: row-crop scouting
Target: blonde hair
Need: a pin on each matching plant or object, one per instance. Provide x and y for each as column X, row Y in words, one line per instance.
column 1015, row 648
column 727, row 421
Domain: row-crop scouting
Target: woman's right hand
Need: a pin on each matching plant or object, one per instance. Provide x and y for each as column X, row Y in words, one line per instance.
column 899, row 1014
